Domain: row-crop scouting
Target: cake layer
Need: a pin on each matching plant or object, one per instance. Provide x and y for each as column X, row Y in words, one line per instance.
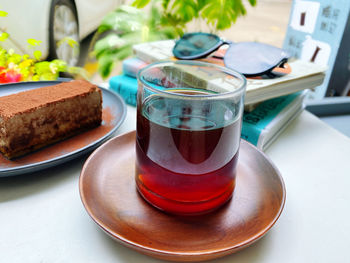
column 33, row 119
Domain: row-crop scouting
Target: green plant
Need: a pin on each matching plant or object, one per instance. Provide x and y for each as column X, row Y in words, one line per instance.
column 15, row 67
column 165, row 20
column 123, row 28
column 218, row 14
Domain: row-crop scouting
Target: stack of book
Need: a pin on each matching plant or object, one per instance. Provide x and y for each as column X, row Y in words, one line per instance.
column 270, row 104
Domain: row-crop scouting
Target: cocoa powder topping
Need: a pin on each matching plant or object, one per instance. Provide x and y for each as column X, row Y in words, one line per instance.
column 30, row 100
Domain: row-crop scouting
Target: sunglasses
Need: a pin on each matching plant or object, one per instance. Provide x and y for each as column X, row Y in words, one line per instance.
column 251, row 59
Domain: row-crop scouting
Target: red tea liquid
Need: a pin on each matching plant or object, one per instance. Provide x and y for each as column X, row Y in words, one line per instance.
column 186, row 154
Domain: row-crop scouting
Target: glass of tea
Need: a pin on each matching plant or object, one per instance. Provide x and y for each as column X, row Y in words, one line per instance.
column 189, row 116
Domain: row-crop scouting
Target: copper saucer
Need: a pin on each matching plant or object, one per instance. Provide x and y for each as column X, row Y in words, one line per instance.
column 108, row 192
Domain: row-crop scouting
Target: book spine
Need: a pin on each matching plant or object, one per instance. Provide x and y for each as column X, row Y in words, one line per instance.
column 154, row 51
column 126, row 87
column 267, row 143
column 132, row 66
column 256, row 121
column 250, row 133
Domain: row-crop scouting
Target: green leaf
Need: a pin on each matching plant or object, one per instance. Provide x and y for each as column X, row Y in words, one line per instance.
column 185, row 9
column 37, row 54
column 42, row 67
column 105, row 65
column 80, row 72
column 140, row 3
column 71, row 42
column 124, row 19
column 155, row 17
column 61, row 65
column 123, row 53
column 165, row 32
column 223, row 13
column 173, row 21
column 14, row 58
column 202, row 3
column 165, row 4
column 3, row 13
column 33, row 42
column 252, row 2
column 110, row 42
column 4, row 36
column 107, row 22
column 49, row 76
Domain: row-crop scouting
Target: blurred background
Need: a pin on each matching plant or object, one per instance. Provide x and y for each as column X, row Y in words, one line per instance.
column 60, row 25
column 66, row 28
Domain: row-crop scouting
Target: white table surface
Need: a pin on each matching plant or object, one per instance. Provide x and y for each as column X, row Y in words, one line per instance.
column 42, row 218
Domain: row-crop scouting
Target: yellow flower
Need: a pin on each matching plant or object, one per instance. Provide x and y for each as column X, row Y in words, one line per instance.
column 26, row 63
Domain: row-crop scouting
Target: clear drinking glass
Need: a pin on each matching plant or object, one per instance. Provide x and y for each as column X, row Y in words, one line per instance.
column 189, row 118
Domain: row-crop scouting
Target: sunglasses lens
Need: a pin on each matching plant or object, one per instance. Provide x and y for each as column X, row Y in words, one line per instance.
column 252, row 59
column 195, row 45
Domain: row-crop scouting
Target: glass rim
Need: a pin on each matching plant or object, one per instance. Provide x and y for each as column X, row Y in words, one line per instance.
column 226, row 70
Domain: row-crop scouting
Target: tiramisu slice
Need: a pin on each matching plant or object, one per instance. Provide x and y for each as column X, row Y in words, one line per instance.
column 32, row 119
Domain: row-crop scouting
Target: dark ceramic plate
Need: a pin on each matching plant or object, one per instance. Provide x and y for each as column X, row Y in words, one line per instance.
column 114, row 112
column 108, row 192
